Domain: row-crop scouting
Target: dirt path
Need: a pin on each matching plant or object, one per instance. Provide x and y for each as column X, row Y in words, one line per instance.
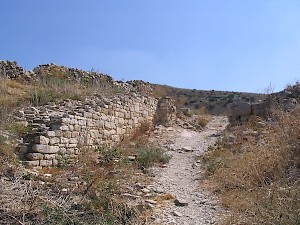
column 181, row 176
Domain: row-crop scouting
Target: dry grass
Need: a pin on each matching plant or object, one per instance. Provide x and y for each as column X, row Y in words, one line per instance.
column 93, row 197
column 258, row 175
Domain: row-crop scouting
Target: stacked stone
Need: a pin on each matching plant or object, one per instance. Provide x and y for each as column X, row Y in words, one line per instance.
column 63, row 130
column 166, row 111
column 13, row 71
column 240, row 112
column 71, row 73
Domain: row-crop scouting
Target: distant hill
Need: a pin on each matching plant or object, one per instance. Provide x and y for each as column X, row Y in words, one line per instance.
column 215, row 102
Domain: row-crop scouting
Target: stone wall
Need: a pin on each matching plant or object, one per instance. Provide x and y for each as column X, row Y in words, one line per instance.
column 166, row 112
column 12, row 70
column 61, row 130
column 240, row 112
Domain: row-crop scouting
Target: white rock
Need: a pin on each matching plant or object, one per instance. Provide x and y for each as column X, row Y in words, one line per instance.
column 175, row 213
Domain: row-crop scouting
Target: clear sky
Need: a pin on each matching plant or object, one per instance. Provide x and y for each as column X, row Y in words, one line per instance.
column 238, row 45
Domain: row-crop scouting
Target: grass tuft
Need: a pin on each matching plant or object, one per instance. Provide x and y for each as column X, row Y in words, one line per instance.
column 148, row 156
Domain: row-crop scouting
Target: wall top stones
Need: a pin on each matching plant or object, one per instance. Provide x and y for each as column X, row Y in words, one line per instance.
column 12, row 70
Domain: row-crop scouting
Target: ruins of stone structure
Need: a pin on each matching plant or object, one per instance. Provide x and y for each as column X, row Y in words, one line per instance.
column 166, row 111
column 60, row 131
column 240, row 112
column 12, row 70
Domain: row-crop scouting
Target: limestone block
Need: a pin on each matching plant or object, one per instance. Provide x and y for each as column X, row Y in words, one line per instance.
column 45, row 162
column 71, row 127
column 94, row 133
column 67, row 134
column 90, row 123
column 127, row 115
column 87, row 115
column 62, row 145
column 82, row 122
column 31, row 163
column 50, row 133
column 62, row 151
column 70, row 151
column 64, row 128
column 55, row 162
column 73, row 141
column 119, row 130
column 65, row 120
column 96, row 116
column 77, row 128
column 58, row 133
column 99, row 123
column 72, row 145
column 74, row 134
column 64, row 140
column 46, row 149
column 121, row 121
column 49, row 156
column 115, row 138
column 41, row 140
column 59, row 156
column 34, row 156
column 108, row 125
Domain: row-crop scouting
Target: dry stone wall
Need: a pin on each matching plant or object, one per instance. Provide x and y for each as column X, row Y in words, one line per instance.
column 240, row 112
column 166, row 112
column 62, row 130
column 12, row 70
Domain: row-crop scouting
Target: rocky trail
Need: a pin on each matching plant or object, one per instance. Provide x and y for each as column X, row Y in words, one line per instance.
column 181, row 177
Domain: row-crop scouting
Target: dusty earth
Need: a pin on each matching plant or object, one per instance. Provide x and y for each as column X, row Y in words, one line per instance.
column 182, row 176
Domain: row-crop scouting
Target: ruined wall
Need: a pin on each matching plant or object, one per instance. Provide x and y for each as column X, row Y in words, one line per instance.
column 240, row 112
column 12, row 70
column 166, row 112
column 60, row 131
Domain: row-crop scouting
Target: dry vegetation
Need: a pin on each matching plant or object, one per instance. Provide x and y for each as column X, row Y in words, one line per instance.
column 256, row 170
column 86, row 192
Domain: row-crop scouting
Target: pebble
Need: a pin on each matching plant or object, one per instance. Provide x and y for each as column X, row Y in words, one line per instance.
column 176, row 213
column 180, row 202
column 151, row 201
column 145, row 190
column 187, row 149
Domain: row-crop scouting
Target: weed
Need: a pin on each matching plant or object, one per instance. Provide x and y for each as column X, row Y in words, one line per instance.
column 148, row 156
column 108, row 154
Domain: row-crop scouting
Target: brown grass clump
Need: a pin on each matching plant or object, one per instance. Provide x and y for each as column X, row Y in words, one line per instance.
column 203, row 117
column 258, row 173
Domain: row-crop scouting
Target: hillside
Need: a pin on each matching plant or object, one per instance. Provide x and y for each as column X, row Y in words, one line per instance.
column 78, row 147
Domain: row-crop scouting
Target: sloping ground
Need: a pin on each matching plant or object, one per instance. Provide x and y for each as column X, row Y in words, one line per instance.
column 181, row 176
column 255, row 170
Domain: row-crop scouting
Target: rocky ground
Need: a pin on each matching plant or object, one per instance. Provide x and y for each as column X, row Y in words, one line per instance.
column 181, row 177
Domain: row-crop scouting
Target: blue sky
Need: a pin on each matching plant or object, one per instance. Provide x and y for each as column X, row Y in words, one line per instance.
column 238, row 45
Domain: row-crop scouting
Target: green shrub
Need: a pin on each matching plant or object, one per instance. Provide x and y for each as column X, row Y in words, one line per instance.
column 108, row 154
column 147, row 157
